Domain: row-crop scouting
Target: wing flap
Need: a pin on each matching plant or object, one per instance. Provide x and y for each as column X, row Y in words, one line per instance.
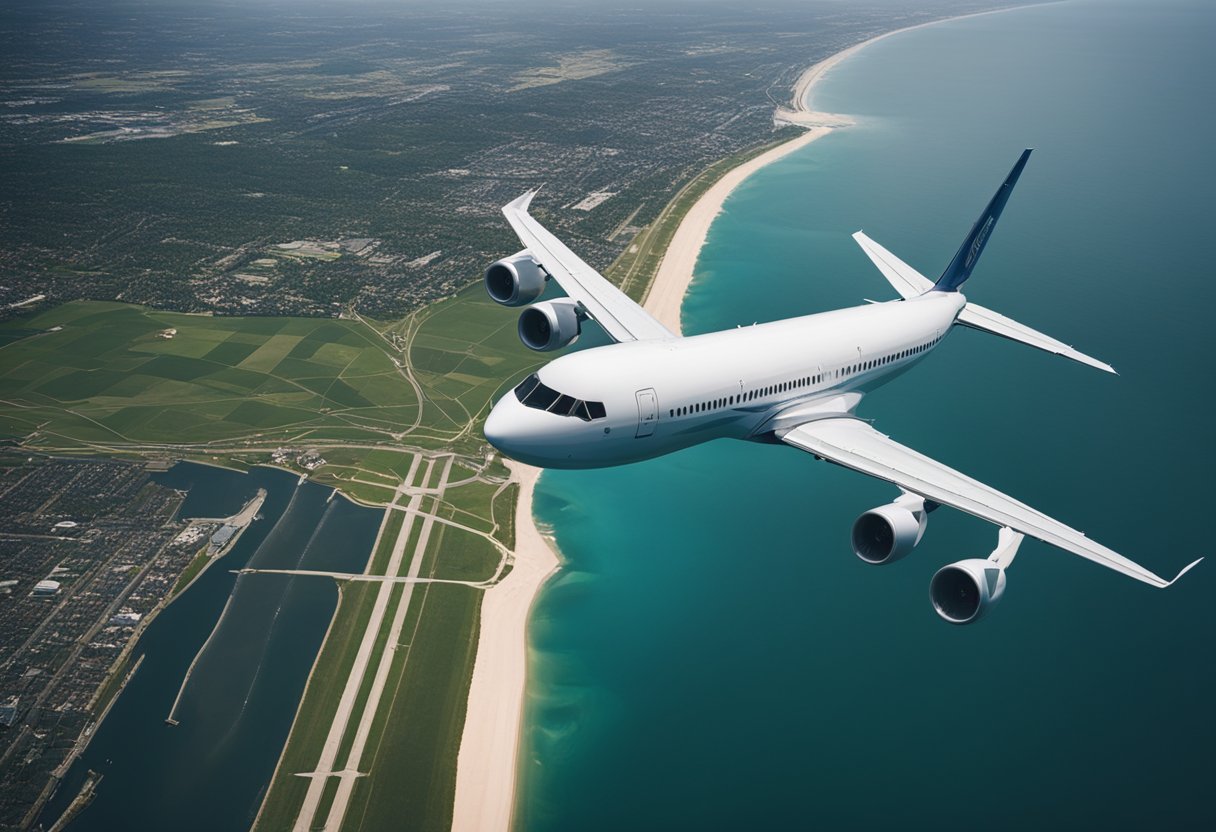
column 855, row 444
column 604, row 303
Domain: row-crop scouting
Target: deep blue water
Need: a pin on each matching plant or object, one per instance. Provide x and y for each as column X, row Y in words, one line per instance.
column 211, row 771
column 714, row 657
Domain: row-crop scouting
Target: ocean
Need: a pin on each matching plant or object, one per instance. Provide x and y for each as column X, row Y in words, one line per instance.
column 713, row 656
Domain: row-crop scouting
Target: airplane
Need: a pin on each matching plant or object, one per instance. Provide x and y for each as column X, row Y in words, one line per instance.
column 797, row 381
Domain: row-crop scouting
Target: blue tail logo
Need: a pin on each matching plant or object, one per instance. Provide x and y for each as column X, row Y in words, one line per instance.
column 969, row 252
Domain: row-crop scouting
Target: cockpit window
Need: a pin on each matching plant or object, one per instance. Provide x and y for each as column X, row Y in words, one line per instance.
column 541, row 397
column 563, row 405
column 532, row 393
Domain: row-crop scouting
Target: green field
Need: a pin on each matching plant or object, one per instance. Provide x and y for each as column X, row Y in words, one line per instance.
column 109, row 374
column 109, row 378
column 410, row 755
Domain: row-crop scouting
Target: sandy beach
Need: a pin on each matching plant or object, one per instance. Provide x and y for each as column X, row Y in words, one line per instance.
column 486, row 765
column 674, row 276
column 488, row 758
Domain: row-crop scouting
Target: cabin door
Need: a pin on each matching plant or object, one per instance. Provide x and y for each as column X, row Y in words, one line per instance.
column 648, row 412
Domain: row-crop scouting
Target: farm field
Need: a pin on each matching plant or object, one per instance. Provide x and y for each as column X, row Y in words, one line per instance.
column 108, row 378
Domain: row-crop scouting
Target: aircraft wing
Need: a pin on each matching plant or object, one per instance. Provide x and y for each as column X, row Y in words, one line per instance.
column 855, row 444
column 607, row 305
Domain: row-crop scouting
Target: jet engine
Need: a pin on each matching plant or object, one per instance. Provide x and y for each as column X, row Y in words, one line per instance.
column 962, row 592
column 516, row 280
column 887, row 533
column 550, row 325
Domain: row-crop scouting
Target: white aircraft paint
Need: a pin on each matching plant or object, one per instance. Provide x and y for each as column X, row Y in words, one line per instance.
column 796, row 381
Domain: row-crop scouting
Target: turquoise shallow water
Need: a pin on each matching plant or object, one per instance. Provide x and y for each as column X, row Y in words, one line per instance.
column 714, row 657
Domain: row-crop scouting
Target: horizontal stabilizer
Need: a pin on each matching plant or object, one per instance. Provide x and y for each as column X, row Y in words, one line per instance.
column 977, row 317
column 907, row 281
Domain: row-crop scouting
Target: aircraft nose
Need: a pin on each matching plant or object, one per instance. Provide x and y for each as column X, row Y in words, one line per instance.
column 498, row 423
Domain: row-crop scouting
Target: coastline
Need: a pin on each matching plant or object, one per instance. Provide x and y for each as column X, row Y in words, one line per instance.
column 666, row 294
column 489, row 746
column 487, row 763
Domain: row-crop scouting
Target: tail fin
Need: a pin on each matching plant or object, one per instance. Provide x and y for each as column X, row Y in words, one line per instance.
column 969, row 252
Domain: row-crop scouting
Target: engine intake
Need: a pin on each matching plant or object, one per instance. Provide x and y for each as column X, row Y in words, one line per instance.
column 962, row 592
column 516, row 280
column 550, row 325
column 887, row 533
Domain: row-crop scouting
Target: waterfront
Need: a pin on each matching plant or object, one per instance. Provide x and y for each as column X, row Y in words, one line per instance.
column 713, row 656
column 211, row 770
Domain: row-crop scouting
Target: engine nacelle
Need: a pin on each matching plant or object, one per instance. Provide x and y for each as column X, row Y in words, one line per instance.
column 887, row 533
column 550, row 325
column 962, row 592
column 516, row 280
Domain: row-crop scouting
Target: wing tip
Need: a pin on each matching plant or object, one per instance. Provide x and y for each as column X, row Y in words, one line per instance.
column 521, row 202
column 1185, row 569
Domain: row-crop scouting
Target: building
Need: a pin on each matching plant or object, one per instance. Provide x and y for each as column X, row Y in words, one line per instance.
column 220, row 539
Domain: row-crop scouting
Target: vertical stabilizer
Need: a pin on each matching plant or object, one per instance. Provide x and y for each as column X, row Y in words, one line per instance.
column 969, row 252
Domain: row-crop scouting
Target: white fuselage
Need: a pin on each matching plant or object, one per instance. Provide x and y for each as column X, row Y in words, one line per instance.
column 659, row 396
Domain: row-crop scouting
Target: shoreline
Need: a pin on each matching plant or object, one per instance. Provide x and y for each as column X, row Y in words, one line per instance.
column 486, row 768
column 665, row 297
column 487, row 763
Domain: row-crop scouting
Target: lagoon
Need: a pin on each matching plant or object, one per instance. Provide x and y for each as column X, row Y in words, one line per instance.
column 211, row 771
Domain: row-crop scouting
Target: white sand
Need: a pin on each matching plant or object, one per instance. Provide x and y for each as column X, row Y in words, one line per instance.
column 666, row 293
column 486, row 766
column 671, row 283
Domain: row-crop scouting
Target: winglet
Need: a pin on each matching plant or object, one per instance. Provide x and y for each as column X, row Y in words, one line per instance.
column 1188, row 568
column 521, row 202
